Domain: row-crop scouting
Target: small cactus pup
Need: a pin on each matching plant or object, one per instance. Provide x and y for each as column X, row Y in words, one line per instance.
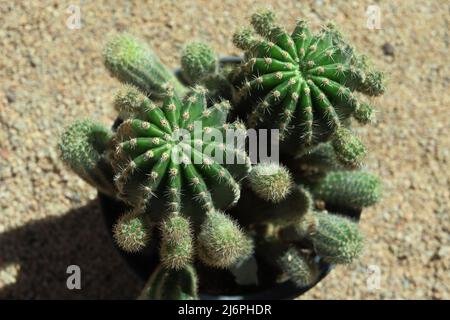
column 170, row 284
column 198, row 60
column 131, row 61
column 270, row 181
column 304, row 85
column 335, row 238
column 170, row 169
column 298, row 267
column 200, row 65
column 348, row 189
column 84, row 149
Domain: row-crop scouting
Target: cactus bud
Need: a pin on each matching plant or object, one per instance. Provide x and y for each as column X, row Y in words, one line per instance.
column 221, row 242
column 131, row 233
column 244, row 39
column 263, row 21
column 350, row 151
column 131, row 61
column 348, row 189
column 335, row 238
column 299, row 269
column 83, row 146
column 177, row 246
column 364, row 114
column 197, row 61
column 271, row 182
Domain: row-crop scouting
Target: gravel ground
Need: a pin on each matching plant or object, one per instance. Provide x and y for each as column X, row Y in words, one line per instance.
column 52, row 75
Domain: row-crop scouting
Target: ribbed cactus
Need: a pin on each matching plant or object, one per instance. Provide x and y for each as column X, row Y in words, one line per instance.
column 170, row 284
column 336, row 239
column 348, row 189
column 83, row 148
column 159, row 152
column 132, row 61
column 302, row 84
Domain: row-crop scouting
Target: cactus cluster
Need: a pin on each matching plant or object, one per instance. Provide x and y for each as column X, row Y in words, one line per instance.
column 200, row 200
column 305, row 85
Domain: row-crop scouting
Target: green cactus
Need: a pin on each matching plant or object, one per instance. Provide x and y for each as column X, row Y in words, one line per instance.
column 307, row 82
column 270, row 181
column 348, row 189
column 300, row 269
column 336, row 239
column 131, row 232
column 83, row 147
column 157, row 153
column 177, row 243
column 198, row 60
column 131, row 61
column 221, row 242
column 171, row 284
column 182, row 184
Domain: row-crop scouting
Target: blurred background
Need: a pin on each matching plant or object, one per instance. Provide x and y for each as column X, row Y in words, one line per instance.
column 51, row 73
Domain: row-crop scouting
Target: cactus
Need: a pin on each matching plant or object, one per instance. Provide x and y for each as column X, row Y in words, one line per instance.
column 83, row 147
column 170, row 284
column 198, row 60
column 336, row 239
column 348, row 189
column 298, row 267
column 159, row 146
column 221, row 241
column 307, row 82
column 271, row 182
column 200, row 201
column 131, row 61
column 177, row 243
column 131, row 232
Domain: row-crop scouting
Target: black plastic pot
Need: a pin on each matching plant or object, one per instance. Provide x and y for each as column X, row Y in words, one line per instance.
column 143, row 263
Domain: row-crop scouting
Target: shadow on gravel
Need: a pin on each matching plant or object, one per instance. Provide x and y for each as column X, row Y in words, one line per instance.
column 44, row 249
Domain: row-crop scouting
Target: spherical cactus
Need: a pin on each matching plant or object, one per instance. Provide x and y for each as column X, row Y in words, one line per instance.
column 131, row 232
column 305, row 83
column 221, row 242
column 83, row 148
column 198, row 60
column 270, row 181
column 177, row 242
column 131, row 61
column 336, row 239
column 298, row 268
column 348, row 189
column 171, row 284
column 170, row 154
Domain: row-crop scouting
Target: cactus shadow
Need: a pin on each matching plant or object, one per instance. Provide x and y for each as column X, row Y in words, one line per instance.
column 44, row 249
